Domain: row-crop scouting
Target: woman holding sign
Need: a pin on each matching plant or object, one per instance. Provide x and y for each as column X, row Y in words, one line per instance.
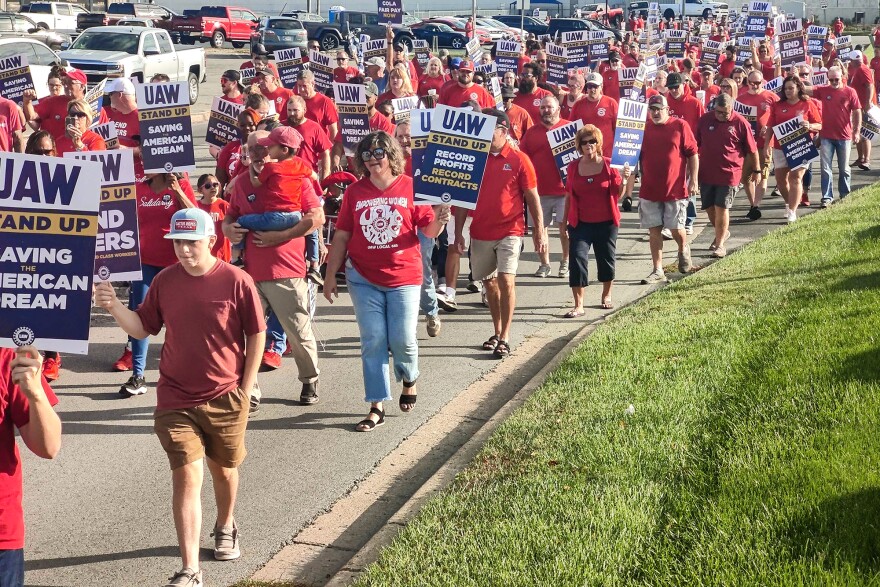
column 593, row 188
column 377, row 231
column 796, row 103
column 399, row 85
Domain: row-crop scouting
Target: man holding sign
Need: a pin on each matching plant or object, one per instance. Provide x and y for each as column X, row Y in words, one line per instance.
column 497, row 228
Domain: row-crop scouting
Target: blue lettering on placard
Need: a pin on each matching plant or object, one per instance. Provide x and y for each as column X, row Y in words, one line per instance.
column 27, row 186
column 633, row 110
column 161, row 94
column 564, row 133
column 461, row 122
column 228, row 108
column 11, row 62
column 790, row 126
column 349, row 94
column 788, row 26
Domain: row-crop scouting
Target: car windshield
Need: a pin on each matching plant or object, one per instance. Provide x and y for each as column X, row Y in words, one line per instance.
column 40, row 8
column 107, row 42
column 285, row 24
column 120, row 8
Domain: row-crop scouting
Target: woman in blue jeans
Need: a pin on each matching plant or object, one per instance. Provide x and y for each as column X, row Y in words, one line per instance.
column 377, row 229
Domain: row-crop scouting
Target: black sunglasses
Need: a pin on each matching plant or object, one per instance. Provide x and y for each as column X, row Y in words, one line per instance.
column 78, row 114
column 589, row 142
column 211, row 185
column 377, row 153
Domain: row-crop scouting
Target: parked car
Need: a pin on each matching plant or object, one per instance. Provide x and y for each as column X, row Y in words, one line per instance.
column 57, row 16
column 638, row 8
column 495, row 32
column 217, row 24
column 562, row 25
column 41, row 59
column 332, row 35
column 280, row 32
column 694, row 8
column 601, row 26
column 19, row 25
column 529, row 23
column 597, row 12
column 409, row 20
column 458, row 25
column 160, row 15
column 515, row 33
column 442, row 33
column 136, row 52
column 304, row 16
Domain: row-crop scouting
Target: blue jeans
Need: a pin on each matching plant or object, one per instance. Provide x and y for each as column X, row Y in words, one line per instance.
column 828, row 148
column 276, row 338
column 691, row 211
column 278, row 221
column 12, row 568
column 136, row 297
column 387, row 318
column 428, row 299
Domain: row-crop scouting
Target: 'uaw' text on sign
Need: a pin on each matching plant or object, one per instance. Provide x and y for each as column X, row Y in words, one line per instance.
column 792, row 43
column 319, row 64
column 223, row 123
column 629, row 133
column 108, row 132
column 15, row 77
column 507, row 56
column 563, row 146
column 290, row 64
column 354, row 119
column 455, row 157
column 48, row 223
column 166, row 127
column 796, row 143
column 117, row 249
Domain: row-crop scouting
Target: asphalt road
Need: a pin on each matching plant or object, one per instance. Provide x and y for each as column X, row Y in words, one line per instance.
column 100, row 514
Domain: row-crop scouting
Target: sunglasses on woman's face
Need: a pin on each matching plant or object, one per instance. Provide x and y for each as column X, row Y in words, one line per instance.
column 377, row 153
column 589, row 142
column 78, row 114
column 211, row 186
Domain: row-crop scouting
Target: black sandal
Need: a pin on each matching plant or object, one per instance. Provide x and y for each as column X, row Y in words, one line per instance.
column 408, row 401
column 490, row 344
column 367, row 425
column 502, row 349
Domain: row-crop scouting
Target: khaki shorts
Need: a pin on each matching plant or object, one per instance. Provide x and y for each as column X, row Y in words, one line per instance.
column 489, row 258
column 551, row 206
column 669, row 215
column 215, row 429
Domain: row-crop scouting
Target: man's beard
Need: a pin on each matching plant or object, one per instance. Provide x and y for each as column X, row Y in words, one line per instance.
column 526, row 86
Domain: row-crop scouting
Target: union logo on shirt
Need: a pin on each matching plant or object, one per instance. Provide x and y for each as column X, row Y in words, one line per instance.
column 537, row 102
column 600, row 112
column 381, row 224
column 473, row 95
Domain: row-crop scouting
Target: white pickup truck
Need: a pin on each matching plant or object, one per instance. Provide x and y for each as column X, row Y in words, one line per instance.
column 694, row 9
column 138, row 53
column 55, row 16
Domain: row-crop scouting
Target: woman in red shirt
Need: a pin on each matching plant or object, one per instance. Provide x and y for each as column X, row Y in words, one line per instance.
column 377, row 230
column 433, row 78
column 796, row 103
column 77, row 136
column 209, row 201
column 593, row 188
column 158, row 198
column 399, row 85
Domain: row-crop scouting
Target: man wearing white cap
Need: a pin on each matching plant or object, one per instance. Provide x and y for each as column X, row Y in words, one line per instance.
column 201, row 413
column 123, row 110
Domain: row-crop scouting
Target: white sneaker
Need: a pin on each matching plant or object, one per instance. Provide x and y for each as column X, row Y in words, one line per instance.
column 689, row 229
column 543, row 271
column 563, row 269
column 666, row 234
column 792, row 216
column 434, row 326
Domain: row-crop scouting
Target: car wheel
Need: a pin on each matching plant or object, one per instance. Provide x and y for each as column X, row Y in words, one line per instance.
column 237, row 45
column 217, row 39
column 329, row 42
column 457, row 43
column 193, row 82
column 408, row 44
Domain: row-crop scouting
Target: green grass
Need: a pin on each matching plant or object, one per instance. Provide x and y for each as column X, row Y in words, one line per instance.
column 752, row 458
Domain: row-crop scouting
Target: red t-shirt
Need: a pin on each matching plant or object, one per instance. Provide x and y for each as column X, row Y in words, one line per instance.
column 688, row 108
column 593, row 198
column 565, row 109
column 237, row 100
column 454, row 95
column 92, row 141
column 342, row 75
column 206, row 327
column 837, row 108
column 762, row 102
column 52, row 110
column 860, row 79
column 531, row 103
column 127, row 125
column 710, row 95
column 431, row 83
column 725, row 69
column 283, row 181
column 520, row 121
column 768, row 68
column 783, row 111
column 875, row 66
column 217, row 209
column 536, row 145
column 154, row 220
column 315, row 142
column 629, row 61
column 322, row 110
column 279, row 98
column 384, row 244
column 665, row 151
column 611, row 83
column 229, row 159
column 10, row 122
column 14, row 414
column 602, row 114
column 723, row 147
column 284, row 261
column 499, row 211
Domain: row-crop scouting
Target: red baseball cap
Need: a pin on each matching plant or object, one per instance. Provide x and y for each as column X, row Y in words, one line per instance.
column 338, row 177
column 77, row 76
column 283, row 135
column 466, row 65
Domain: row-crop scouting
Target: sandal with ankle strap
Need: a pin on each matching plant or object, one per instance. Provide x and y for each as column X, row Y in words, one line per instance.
column 368, row 425
column 490, row 344
column 502, row 349
column 408, row 401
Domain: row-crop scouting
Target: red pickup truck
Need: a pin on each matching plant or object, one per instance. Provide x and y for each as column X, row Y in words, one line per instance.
column 216, row 24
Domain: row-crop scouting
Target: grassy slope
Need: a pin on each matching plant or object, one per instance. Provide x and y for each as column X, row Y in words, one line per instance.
column 751, row 458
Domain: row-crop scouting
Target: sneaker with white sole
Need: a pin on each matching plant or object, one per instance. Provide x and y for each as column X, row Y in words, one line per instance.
column 434, row 326
column 791, row 216
column 447, row 303
column 136, row 385
column 543, row 271
column 474, row 287
column 226, row 546
column 666, row 234
column 656, row 276
column 186, row 577
column 563, row 269
column 684, row 260
column 689, row 229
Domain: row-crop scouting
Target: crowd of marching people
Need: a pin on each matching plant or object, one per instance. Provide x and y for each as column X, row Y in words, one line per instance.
column 288, row 210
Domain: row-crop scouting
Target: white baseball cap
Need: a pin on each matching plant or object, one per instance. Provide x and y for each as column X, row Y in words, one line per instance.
column 191, row 224
column 120, row 84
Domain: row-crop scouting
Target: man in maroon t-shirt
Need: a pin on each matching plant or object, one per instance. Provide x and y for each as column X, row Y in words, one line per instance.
column 725, row 142
column 841, row 124
column 530, row 95
column 213, row 343
column 861, row 79
column 315, row 149
column 26, row 402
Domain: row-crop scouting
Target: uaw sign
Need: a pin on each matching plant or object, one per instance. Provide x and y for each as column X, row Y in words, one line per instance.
column 792, row 43
column 354, row 118
column 563, row 146
column 629, row 133
column 319, row 64
column 48, row 225
column 166, row 127
column 796, row 143
column 577, row 46
column 816, row 36
column 290, row 64
column 455, row 157
column 117, row 249
column 507, row 56
column 223, row 123
column 15, row 77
